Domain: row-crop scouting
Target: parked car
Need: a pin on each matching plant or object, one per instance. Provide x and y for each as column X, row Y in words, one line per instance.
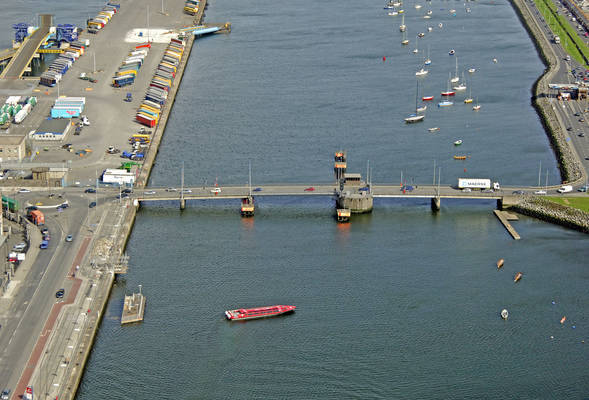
column 583, row 188
column 44, row 244
column 5, row 394
column 59, row 294
column 19, row 246
column 44, row 231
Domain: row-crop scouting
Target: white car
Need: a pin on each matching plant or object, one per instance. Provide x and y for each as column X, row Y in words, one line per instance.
column 24, row 191
column 186, row 191
column 540, row 192
column 149, row 192
column 171, row 189
column 467, row 190
column 216, row 190
column 20, row 246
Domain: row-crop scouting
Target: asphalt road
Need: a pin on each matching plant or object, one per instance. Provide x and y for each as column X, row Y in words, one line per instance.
column 25, row 317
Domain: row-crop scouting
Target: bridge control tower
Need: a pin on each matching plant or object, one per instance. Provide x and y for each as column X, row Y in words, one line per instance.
column 352, row 193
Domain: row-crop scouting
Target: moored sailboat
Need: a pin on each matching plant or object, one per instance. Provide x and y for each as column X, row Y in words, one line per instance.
column 413, row 118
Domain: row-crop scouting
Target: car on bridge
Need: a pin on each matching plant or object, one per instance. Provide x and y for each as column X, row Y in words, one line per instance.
column 406, row 188
column 467, row 190
column 171, row 189
column 518, row 192
column 216, row 190
column 24, row 191
column 90, row 190
column 149, row 192
column 186, row 191
column 540, row 192
column 309, row 189
column 258, row 189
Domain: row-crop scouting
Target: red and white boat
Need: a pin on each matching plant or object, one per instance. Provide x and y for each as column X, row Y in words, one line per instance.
column 244, row 314
column 427, row 98
column 448, row 93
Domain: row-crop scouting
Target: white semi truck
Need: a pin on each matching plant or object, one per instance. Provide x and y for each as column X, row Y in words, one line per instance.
column 477, row 183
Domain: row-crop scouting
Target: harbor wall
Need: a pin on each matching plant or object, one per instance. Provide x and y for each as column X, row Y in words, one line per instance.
column 569, row 164
column 546, row 210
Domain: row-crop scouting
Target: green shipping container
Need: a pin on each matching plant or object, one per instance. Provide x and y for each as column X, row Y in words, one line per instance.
column 32, row 101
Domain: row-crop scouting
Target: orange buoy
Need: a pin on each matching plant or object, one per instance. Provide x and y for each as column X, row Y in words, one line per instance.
column 384, row 58
column 563, row 319
column 517, row 277
column 500, row 263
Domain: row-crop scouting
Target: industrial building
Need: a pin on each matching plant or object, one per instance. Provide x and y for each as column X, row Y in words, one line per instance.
column 12, row 147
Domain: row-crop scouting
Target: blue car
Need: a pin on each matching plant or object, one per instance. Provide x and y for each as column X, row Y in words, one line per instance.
column 258, row 189
column 44, row 244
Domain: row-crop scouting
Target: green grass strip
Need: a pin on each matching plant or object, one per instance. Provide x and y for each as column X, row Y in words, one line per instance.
column 569, row 38
column 579, row 203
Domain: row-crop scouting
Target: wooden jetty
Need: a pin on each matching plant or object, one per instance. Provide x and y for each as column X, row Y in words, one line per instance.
column 504, row 217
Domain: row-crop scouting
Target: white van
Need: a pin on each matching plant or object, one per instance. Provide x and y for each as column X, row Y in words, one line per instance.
column 565, row 189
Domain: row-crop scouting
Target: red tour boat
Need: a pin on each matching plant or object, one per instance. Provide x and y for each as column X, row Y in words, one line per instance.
column 244, row 314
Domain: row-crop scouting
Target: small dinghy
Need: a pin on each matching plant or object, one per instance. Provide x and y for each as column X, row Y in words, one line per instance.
column 504, row 314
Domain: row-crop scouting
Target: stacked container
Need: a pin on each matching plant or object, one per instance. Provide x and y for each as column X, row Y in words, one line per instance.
column 61, row 64
column 128, row 70
column 157, row 93
column 97, row 23
column 17, row 107
column 68, row 107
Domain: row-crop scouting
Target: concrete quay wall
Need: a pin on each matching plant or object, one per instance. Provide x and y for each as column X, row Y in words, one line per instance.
column 570, row 167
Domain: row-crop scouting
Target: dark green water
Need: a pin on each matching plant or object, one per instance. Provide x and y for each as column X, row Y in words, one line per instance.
column 400, row 304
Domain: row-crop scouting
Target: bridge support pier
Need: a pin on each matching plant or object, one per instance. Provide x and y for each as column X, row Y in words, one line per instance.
column 182, row 204
column 436, row 203
column 500, row 204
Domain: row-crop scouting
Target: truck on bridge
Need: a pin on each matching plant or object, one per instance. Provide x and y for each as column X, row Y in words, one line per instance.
column 477, row 183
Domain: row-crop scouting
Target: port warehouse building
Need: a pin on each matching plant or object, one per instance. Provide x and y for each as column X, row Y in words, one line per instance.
column 52, row 129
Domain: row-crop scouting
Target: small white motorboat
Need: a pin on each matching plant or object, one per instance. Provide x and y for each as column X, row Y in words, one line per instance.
column 434, row 129
column 440, row 25
column 451, row 52
column 421, row 109
column 495, row 60
column 472, row 70
column 421, row 72
column 458, row 142
column 504, row 314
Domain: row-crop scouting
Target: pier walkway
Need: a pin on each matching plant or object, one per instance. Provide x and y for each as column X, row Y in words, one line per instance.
column 23, row 56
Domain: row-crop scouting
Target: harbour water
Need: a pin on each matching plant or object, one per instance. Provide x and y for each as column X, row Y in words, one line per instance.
column 401, row 303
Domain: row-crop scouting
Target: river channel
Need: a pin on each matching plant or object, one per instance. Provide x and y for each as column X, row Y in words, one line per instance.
column 399, row 304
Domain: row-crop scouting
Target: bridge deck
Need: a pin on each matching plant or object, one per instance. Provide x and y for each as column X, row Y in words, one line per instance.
column 378, row 191
column 23, row 56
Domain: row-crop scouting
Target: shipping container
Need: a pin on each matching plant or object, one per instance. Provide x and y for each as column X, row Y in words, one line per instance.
column 152, row 104
column 150, row 122
column 123, row 80
column 146, row 45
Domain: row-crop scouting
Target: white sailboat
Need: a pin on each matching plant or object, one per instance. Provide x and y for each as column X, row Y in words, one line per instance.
column 427, row 60
column 456, row 78
column 415, row 117
column 461, row 85
column 416, row 50
column 477, row 106
column 403, row 27
column 421, row 72
column 405, row 41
